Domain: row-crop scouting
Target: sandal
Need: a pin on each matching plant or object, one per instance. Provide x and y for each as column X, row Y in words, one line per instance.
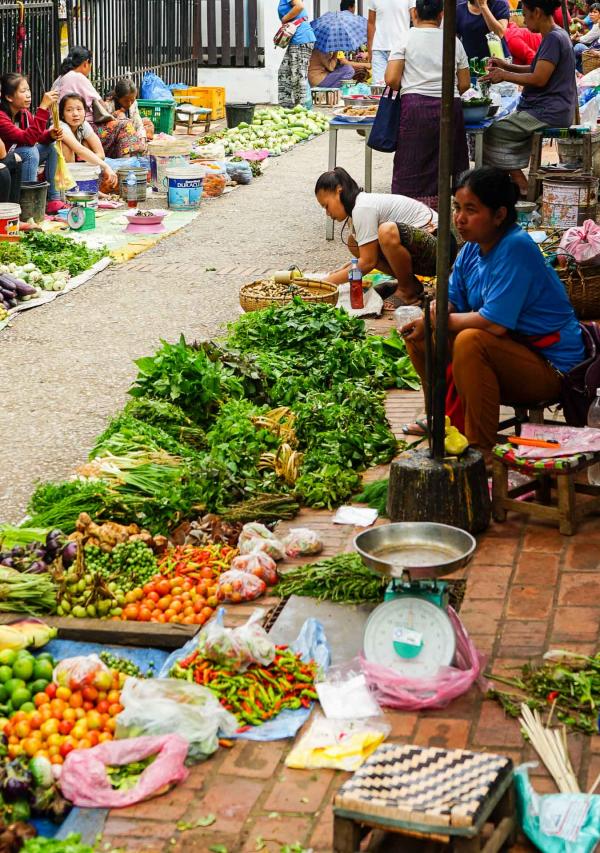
column 419, row 428
column 393, row 302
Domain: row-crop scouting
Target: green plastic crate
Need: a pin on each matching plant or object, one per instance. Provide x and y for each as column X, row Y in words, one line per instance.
column 160, row 113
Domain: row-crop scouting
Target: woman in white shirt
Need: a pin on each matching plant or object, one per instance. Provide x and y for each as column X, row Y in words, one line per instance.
column 415, row 69
column 391, row 233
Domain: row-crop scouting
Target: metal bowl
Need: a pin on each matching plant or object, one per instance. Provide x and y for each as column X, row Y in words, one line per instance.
column 444, row 549
column 361, row 101
column 378, row 90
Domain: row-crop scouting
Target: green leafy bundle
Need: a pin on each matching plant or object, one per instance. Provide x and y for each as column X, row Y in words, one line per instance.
column 52, row 252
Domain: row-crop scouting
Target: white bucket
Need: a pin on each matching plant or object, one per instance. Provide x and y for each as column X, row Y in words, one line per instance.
column 9, row 219
column 87, row 178
column 160, row 164
column 185, row 187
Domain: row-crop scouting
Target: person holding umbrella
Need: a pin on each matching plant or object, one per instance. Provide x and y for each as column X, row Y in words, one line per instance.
column 335, row 33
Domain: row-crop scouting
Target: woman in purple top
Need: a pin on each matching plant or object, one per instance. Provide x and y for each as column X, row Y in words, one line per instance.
column 475, row 19
column 549, row 93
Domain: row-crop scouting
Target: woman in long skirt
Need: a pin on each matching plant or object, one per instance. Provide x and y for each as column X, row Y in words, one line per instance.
column 293, row 71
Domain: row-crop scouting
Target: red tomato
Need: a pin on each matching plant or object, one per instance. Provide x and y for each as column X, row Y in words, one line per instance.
column 90, row 694
column 65, row 727
column 51, row 690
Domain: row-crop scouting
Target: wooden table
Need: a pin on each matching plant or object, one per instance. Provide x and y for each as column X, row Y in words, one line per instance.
column 334, row 128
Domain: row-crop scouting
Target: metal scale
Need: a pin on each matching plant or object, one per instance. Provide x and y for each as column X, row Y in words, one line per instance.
column 81, row 216
column 411, row 631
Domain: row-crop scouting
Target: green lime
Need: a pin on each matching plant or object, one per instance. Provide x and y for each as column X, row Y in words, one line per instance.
column 13, row 684
column 5, row 674
column 43, row 669
column 3, row 694
column 23, row 668
column 27, row 706
column 45, row 656
column 7, row 657
column 38, row 686
column 24, row 653
column 20, row 696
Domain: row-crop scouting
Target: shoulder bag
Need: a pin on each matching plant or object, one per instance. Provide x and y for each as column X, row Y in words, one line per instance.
column 384, row 133
column 286, row 32
column 100, row 112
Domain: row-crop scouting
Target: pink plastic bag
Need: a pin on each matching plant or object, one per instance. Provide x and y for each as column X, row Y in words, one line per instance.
column 393, row 690
column 84, row 780
column 581, row 243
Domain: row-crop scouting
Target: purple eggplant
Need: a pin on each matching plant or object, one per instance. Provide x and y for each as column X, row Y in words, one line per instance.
column 69, row 554
column 37, row 568
column 8, row 562
column 24, row 289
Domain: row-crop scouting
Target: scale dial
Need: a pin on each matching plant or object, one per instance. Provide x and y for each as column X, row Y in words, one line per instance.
column 76, row 218
column 411, row 636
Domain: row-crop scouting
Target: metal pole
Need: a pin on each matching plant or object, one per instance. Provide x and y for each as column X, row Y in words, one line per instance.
column 445, row 170
column 565, row 20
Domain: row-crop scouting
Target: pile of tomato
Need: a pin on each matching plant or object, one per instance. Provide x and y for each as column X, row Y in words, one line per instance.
column 64, row 719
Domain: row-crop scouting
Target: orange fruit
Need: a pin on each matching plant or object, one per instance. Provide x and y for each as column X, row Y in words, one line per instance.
column 63, row 693
column 49, row 727
column 31, row 746
column 84, row 743
column 40, row 699
column 103, row 737
column 56, row 759
column 57, row 706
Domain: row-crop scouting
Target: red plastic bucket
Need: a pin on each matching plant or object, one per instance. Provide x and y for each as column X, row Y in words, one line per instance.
column 9, row 219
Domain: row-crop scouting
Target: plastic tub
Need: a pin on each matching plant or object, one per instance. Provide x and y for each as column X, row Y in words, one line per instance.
column 9, row 219
column 185, row 187
column 160, row 164
column 33, row 201
column 237, row 113
column 141, row 182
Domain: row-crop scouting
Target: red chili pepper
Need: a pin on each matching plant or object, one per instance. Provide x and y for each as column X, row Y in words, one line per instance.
column 552, row 696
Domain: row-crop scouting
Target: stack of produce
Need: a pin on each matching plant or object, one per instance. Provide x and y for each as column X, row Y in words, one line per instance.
column 22, row 676
column 30, row 550
column 28, row 788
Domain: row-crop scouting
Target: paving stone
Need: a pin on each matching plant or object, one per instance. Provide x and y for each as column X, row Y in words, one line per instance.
column 578, row 588
column 151, row 830
column 481, row 616
column 495, row 730
column 530, row 602
column 536, row 568
column 521, row 638
column 488, row 582
column 543, row 538
column 321, row 839
column 275, row 833
column 576, row 623
column 171, row 806
column 402, row 722
column 230, row 798
column 253, row 759
column 496, row 551
column 298, row 791
column 201, row 841
column 444, row 732
column 582, row 555
column 139, row 845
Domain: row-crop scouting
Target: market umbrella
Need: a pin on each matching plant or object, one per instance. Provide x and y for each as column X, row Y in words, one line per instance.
column 339, row 31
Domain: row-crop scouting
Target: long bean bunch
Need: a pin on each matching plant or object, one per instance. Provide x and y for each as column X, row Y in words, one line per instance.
column 343, row 579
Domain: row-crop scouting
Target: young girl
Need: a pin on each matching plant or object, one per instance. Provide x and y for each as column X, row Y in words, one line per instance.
column 122, row 103
column 391, row 233
column 79, row 140
column 27, row 134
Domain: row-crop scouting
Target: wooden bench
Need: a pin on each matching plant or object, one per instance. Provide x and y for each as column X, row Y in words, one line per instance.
column 428, row 794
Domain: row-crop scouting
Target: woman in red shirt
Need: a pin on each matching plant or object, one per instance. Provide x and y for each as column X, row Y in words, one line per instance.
column 28, row 135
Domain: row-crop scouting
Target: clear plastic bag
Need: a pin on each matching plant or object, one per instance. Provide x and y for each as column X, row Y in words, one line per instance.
column 302, row 542
column 242, row 646
column 393, row 690
column 344, row 691
column 85, row 782
column 257, row 563
column 240, row 172
column 257, row 537
column 161, row 706
column 253, row 642
column 338, row 744
column 236, row 586
column 83, row 671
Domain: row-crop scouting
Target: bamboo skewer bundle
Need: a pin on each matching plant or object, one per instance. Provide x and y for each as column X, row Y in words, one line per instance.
column 551, row 746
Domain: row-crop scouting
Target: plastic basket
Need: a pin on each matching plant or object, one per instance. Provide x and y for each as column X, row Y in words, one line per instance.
column 211, row 97
column 160, row 113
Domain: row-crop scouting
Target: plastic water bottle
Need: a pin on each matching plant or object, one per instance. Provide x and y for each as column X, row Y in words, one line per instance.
column 593, row 420
column 131, row 190
column 356, row 291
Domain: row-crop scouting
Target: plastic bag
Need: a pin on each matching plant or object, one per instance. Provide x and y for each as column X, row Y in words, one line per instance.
column 344, row 691
column 236, row 586
column 339, row 744
column 393, row 690
column 302, row 542
column 162, row 706
column 581, row 243
column 557, row 823
column 153, row 88
column 257, row 563
column 257, row 537
column 240, row 172
column 85, row 782
column 83, row 671
column 210, row 151
column 241, row 646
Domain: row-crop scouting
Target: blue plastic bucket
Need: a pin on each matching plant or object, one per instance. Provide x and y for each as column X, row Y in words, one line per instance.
column 87, row 179
column 185, row 187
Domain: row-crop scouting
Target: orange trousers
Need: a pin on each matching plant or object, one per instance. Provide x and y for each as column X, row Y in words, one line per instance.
column 490, row 370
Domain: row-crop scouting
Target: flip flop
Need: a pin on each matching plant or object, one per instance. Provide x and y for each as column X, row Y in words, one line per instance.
column 393, row 302
column 408, row 429
column 386, row 288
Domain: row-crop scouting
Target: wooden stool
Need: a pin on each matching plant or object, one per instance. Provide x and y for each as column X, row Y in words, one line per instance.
column 532, row 413
column 547, row 474
column 535, row 160
column 193, row 115
column 428, row 793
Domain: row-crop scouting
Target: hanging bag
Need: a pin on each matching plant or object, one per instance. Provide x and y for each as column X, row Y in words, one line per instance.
column 286, row 32
column 384, row 133
column 580, row 383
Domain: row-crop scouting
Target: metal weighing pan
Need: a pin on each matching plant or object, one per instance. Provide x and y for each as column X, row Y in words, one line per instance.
column 420, row 549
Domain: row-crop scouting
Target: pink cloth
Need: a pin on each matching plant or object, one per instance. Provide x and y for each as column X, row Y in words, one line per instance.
column 76, row 83
column 571, row 440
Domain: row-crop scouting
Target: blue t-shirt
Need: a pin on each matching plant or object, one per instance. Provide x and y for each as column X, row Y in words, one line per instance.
column 304, row 32
column 555, row 102
column 514, row 287
column 472, row 29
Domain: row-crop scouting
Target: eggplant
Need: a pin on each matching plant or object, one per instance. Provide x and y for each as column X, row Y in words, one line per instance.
column 12, row 303
column 37, row 568
column 24, row 289
column 39, row 553
column 8, row 562
column 69, row 554
column 17, row 551
column 7, row 284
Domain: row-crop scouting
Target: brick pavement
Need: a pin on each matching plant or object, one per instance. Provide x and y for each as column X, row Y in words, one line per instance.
column 528, row 589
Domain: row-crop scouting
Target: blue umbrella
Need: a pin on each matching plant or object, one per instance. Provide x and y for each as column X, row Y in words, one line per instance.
column 339, row 31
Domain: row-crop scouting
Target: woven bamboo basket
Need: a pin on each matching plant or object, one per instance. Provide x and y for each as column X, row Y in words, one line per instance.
column 583, row 288
column 590, row 60
column 320, row 291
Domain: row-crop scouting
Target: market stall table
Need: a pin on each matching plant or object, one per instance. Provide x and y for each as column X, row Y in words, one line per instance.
column 335, row 125
column 477, row 129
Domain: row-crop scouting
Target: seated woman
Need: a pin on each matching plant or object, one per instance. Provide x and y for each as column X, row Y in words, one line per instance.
column 122, row 103
column 329, row 71
column 79, row 141
column 28, row 134
column 391, row 233
column 415, row 69
column 10, row 176
column 549, row 93
column 589, row 40
column 115, row 134
column 512, row 329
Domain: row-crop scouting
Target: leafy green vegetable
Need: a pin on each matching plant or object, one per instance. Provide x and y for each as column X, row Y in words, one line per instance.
column 375, row 495
column 343, row 579
column 71, row 844
column 52, row 252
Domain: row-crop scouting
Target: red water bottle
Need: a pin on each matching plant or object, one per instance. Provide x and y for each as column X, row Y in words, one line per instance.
column 356, row 290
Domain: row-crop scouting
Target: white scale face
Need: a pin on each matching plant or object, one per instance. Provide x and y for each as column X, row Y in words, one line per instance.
column 420, row 630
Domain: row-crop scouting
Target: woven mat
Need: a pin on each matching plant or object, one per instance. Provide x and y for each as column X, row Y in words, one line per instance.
column 424, row 785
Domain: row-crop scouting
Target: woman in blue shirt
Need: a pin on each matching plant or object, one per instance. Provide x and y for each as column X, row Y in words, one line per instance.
column 293, row 71
column 511, row 326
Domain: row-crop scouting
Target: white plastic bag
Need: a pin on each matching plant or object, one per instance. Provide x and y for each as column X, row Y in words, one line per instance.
column 257, row 537
column 339, row 744
column 241, row 646
column 344, row 692
column 163, row 706
column 83, row 671
column 302, row 542
column 236, row 587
